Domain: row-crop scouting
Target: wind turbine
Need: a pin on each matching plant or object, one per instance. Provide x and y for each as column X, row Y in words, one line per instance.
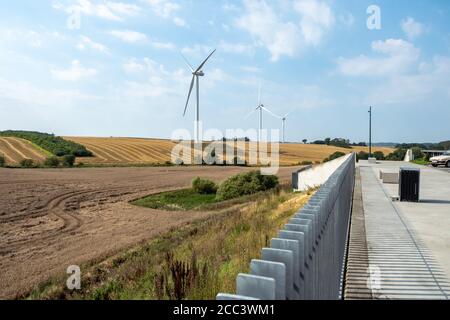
column 260, row 107
column 195, row 78
column 283, row 119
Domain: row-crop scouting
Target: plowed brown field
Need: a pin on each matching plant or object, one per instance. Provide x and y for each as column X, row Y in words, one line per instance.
column 15, row 149
column 137, row 150
column 50, row 219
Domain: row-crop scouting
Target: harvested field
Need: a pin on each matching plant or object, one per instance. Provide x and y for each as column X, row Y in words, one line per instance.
column 137, row 150
column 125, row 150
column 50, row 219
column 16, row 149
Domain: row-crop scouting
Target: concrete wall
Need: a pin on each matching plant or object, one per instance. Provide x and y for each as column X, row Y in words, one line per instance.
column 314, row 176
column 306, row 259
column 409, row 156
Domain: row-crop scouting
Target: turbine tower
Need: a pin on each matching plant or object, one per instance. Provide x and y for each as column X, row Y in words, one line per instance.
column 195, row 78
column 283, row 119
column 260, row 107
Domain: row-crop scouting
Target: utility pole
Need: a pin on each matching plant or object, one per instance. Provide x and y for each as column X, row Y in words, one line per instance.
column 370, row 132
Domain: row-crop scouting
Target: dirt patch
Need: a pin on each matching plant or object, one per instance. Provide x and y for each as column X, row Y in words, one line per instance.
column 50, row 219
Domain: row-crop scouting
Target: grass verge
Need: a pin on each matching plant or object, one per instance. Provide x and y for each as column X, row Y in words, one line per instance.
column 185, row 199
column 192, row 262
column 423, row 162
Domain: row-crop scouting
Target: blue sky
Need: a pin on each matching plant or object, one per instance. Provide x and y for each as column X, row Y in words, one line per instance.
column 111, row 68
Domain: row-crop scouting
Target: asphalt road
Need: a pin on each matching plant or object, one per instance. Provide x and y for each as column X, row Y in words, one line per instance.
column 444, row 169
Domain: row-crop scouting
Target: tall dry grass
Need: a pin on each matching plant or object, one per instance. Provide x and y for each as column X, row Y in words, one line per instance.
column 194, row 262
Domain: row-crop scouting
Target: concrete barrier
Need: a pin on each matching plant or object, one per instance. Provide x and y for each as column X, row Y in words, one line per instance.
column 311, row 247
column 389, row 177
column 314, row 176
column 409, row 156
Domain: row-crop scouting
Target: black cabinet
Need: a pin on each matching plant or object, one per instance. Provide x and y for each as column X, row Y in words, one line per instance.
column 409, row 184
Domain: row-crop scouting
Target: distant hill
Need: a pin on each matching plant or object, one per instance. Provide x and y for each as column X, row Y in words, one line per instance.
column 49, row 142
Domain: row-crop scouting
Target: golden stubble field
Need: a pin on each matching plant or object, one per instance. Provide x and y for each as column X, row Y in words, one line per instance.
column 146, row 151
column 15, row 149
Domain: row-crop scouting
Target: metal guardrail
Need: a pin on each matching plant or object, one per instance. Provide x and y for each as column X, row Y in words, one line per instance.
column 307, row 258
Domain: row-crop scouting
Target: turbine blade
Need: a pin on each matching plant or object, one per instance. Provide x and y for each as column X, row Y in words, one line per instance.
column 273, row 114
column 189, row 95
column 250, row 113
column 203, row 63
column 187, row 62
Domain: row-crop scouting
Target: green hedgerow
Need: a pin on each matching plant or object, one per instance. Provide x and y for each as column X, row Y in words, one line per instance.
column 244, row 184
column 204, row 186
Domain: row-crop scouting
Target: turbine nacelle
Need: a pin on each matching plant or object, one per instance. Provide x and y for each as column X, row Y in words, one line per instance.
column 199, row 73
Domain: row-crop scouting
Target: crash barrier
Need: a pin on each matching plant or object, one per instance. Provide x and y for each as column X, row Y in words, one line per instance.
column 314, row 176
column 307, row 258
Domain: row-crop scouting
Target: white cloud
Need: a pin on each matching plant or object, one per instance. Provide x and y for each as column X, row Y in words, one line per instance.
column 412, row 28
column 399, row 56
column 124, row 8
column 238, row 48
column 107, row 10
column 347, row 19
column 163, row 45
column 279, row 37
column 251, row 69
column 433, row 82
column 31, row 95
column 129, row 36
column 76, row 72
column 286, row 37
column 87, row 42
column 29, row 37
column 155, row 80
column 163, row 8
column 179, row 22
column 316, row 18
column 198, row 51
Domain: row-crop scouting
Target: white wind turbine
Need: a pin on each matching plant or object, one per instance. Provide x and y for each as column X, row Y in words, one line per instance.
column 260, row 107
column 195, row 78
column 283, row 120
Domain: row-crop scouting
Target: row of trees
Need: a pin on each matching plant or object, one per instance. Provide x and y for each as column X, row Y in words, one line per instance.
column 337, row 142
column 397, row 155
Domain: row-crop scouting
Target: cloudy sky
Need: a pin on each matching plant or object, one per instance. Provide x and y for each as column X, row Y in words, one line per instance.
column 110, row 68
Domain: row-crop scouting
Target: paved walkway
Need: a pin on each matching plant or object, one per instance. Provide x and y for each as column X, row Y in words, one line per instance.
column 399, row 264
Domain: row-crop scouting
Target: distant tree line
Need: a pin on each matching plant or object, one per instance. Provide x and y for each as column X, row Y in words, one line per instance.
column 338, row 142
column 53, row 144
column 443, row 145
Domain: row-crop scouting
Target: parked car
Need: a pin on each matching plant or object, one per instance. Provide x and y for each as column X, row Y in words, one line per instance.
column 443, row 160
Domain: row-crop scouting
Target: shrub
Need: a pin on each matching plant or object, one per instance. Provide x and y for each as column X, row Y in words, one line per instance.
column 244, row 184
column 51, row 162
column 306, row 163
column 68, row 160
column 204, row 186
column 2, row 160
column 397, row 155
column 333, row 156
column 378, row 155
column 362, row 155
column 417, row 153
column 27, row 163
